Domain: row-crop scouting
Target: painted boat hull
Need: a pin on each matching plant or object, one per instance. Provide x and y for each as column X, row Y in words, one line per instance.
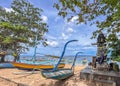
column 57, row 75
column 33, row 66
column 60, row 74
column 6, row 65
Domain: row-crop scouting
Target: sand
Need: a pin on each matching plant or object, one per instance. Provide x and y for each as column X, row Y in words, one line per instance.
column 8, row 77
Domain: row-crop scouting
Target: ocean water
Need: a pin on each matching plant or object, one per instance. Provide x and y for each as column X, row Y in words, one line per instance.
column 50, row 60
column 43, row 60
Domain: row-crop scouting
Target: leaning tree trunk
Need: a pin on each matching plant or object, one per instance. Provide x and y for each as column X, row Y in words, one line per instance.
column 16, row 58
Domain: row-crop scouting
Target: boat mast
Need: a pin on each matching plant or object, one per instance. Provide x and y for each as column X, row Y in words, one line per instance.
column 35, row 45
column 35, row 48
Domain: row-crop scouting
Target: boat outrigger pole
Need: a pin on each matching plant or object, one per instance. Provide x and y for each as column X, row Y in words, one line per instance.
column 34, row 56
column 56, row 66
column 75, row 60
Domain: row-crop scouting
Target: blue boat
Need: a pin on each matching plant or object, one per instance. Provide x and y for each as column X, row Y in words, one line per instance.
column 60, row 74
column 6, row 65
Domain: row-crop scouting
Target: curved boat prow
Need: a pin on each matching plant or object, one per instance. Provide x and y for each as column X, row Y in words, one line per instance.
column 75, row 60
column 59, row 74
column 56, row 66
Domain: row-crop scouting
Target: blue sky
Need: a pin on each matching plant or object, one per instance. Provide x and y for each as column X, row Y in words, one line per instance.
column 60, row 31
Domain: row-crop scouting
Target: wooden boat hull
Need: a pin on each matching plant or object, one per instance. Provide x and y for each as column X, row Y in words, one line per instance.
column 57, row 75
column 6, row 65
column 60, row 74
column 34, row 66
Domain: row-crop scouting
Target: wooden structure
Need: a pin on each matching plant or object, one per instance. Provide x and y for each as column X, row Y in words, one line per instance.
column 105, row 78
column 99, row 72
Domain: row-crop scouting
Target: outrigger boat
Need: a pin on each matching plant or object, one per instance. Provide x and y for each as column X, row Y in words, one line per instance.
column 60, row 74
column 35, row 66
column 5, row 64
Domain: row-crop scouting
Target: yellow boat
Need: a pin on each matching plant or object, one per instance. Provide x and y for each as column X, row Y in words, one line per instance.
column 35, row 66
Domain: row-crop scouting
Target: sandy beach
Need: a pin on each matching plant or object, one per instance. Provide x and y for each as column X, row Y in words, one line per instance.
column 17, row 77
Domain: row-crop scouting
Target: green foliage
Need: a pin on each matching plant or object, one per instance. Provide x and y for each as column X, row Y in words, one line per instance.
column 116, row 58
column 19, row 27
column 7, row 40
column 116, row 50
column 88, row 10
column 91, row 11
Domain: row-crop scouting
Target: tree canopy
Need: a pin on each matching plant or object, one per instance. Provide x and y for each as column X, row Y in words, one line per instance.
column 91, row 10
column 19, row 27
column 104, row 13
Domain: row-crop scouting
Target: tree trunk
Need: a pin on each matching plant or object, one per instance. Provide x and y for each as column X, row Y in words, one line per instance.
column 16, row 58
column 3, row 58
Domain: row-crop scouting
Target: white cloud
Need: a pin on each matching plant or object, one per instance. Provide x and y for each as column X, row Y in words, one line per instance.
column 88, row 48
column 50, row 37
column 74, row 19
column 8, row 9
column 67, row 33
column 57, row 19
column 73, row 22
column 52, row 43
column 70, row 30
column 85, row 41
column 65, row 36
column 45, row 19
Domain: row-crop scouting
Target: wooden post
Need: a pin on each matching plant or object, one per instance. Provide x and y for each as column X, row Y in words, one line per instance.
column 94, row 62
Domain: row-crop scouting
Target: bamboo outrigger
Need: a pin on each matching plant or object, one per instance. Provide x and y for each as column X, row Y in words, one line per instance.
column 60, row 74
